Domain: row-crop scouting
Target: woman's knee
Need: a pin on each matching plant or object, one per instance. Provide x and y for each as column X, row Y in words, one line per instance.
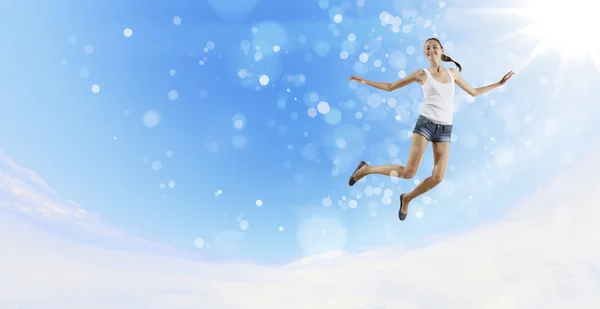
column 437, row 178
column 409, row 172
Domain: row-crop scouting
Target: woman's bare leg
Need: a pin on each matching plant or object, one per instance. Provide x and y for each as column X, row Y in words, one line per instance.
column 441, row 153
column 417, row 148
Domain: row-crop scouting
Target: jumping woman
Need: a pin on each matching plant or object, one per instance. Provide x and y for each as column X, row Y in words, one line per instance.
column 433, row 125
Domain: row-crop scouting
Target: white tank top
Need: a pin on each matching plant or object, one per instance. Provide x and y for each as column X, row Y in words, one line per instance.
column 439, row 99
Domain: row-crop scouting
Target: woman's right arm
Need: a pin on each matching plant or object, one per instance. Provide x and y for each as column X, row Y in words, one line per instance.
column 411, row 78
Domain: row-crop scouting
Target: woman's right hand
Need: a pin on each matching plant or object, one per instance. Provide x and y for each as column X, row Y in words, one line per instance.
column 357, row 79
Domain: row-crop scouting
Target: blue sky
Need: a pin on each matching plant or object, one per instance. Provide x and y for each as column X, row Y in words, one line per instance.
column 137, row 138
column 95, row 149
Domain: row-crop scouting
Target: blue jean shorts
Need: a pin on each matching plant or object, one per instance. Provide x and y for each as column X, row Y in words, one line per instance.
column 433, row 132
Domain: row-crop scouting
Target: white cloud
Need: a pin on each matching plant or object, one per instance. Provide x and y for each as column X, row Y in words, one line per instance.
column 25, row 193
column 533, row 258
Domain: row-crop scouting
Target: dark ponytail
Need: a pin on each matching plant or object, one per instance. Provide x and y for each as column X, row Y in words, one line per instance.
column 446, row 58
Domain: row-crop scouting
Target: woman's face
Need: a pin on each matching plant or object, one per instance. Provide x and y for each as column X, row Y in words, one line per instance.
column 433, row 50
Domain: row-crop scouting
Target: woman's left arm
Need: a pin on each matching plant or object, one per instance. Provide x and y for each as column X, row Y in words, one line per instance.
column 481, row 90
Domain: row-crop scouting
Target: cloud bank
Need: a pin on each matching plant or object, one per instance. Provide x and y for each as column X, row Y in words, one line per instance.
column 543, row 255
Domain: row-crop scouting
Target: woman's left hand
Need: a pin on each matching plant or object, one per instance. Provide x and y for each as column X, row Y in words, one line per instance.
column 507, row 77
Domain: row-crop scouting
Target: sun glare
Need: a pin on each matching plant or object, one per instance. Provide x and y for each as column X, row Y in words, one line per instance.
column 567, row 26
column 564, row 27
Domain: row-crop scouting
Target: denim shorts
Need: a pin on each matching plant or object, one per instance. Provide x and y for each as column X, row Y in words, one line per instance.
column 433, row 132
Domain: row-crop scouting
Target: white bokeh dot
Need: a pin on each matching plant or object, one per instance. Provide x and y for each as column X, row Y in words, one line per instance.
column 419, row 214
column 177, row 20
column 199, row 243
column 259, row 203
column 323, row 107
column 156, row 165
column 239, row 120
column 95, row 88
column 263, row 80
column 173, row 95
column 88, row 49
column 151, row 119
column 363, row 57
column 127, row 32
column 244, row 225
